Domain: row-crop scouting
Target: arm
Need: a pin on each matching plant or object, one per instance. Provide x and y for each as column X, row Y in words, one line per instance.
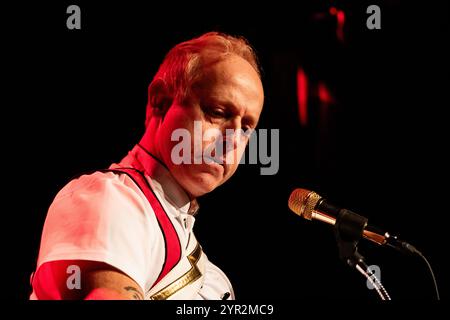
column 98, row 281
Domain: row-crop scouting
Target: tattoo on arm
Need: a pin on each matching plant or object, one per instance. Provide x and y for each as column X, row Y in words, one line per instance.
column 136, row 294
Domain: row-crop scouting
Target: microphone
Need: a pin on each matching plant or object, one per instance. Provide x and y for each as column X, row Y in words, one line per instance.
column 311, row 206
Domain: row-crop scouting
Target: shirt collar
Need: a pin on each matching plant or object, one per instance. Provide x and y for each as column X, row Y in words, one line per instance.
column 140, row 159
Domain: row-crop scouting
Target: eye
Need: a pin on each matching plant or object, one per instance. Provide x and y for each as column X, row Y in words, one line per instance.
column 216, row 112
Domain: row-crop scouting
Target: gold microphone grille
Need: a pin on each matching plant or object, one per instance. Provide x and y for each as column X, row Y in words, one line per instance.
column 302, row 202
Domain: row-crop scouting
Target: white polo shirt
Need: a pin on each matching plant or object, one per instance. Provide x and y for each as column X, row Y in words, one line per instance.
column 105, row 217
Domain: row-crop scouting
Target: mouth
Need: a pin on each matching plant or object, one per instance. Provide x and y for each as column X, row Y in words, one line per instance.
column 215, row 164
column 214, row 160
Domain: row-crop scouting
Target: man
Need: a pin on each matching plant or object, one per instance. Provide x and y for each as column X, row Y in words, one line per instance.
column 126, row 232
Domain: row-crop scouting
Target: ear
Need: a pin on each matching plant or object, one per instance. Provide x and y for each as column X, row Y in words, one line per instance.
column 159, row 98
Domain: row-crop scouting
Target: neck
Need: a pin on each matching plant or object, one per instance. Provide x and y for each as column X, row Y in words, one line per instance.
column 148, row 140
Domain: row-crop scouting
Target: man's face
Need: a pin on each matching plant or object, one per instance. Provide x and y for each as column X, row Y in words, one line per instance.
column 228, row 96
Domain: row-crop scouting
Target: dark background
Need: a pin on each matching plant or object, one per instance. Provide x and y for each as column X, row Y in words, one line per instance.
column 77, row 103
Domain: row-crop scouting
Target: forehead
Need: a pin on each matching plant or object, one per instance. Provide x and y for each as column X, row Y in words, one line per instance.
column 231, row 79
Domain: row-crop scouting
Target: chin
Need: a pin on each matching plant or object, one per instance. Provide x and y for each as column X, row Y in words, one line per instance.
column 202, row 183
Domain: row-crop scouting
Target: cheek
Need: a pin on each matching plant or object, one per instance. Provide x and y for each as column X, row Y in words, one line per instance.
column 175, row 119
column 237, row 150
column 241, row 147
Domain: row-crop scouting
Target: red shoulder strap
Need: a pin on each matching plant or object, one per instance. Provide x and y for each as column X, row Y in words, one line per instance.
column 171, row 240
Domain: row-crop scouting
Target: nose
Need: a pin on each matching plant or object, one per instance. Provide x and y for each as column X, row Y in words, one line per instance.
column 232, row 133
column 233, row 123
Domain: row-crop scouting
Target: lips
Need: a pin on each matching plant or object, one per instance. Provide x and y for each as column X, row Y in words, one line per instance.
column 215, row 165
column 215, row 160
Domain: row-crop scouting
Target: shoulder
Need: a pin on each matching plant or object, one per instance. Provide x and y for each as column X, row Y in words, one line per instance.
column 102, row 201
column 101, row 189
column 98, row 181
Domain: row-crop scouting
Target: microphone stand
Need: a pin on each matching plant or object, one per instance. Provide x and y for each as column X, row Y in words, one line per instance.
column 349, row 229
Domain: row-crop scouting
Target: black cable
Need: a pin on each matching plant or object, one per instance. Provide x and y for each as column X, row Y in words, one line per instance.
column 414, row 250
column 432, row 273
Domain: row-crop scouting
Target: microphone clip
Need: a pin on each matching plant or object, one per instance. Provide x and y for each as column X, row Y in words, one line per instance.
column 349, row 228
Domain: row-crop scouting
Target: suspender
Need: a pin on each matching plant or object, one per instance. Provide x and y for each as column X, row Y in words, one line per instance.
column 171, row 240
